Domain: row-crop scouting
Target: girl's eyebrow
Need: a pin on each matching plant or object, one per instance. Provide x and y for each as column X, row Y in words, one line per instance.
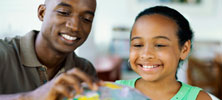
column 133, row 38
column 157, row 37
column 163, row 37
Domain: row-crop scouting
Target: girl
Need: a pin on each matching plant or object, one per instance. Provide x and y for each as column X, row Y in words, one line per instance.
column 161, row 39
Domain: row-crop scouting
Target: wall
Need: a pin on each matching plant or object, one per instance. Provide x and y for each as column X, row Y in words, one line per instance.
column 18, row 17
column 205, row 20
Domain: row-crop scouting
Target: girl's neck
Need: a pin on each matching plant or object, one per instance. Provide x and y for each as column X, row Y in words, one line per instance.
column 158, row 90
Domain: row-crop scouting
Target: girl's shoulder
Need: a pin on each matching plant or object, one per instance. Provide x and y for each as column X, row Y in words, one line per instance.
column 130, row 83
column 188, row 92
column 203, row 96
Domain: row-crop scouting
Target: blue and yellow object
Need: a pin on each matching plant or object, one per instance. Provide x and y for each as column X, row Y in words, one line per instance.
column 111, row 91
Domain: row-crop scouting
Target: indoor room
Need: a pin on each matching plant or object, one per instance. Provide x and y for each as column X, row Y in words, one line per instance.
column 108, row 45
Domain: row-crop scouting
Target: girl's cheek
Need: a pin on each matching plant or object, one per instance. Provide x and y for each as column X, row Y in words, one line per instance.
column 132, row 56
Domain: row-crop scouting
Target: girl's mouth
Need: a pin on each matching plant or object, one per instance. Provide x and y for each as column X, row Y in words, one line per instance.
column 149, row 67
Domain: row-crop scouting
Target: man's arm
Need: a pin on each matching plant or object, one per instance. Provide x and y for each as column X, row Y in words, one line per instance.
column 58, row 88
column 18, row 96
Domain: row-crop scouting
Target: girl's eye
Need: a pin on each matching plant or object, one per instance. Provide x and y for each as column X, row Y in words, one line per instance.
column 64, row 13
column 137, row 45
column 160, row 45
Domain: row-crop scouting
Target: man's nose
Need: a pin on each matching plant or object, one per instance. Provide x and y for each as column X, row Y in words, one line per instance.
column 73, row 23
column 148, row 53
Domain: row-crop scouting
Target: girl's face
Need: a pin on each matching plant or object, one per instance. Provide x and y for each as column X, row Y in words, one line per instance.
column 154, row 48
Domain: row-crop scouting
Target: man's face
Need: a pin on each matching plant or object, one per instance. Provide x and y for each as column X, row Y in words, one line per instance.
column 66, row 23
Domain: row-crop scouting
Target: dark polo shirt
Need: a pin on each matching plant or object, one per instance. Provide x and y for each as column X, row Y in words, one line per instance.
column 21, row 71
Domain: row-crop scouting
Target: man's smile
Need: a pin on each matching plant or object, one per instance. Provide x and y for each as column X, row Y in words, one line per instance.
column 68, row 39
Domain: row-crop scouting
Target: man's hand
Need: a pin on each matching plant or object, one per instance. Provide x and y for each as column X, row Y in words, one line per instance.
column 65, row 85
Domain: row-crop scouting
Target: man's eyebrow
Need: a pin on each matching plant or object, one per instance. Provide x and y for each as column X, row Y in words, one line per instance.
column 67, row 5
column 133, row 38
column 64, row 4
column 163, row 37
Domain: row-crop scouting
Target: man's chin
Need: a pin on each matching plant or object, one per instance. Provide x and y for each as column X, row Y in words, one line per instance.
column 65, row 50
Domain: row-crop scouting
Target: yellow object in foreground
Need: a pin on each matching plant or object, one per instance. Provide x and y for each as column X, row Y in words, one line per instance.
column 95, row 97
column 112, row 86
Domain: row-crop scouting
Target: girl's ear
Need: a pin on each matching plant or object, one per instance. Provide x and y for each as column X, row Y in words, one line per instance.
column 41, row 12
column 185, row 50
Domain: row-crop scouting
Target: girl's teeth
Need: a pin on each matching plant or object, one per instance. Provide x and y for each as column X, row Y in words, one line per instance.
column 68, row 37
column 149, row 66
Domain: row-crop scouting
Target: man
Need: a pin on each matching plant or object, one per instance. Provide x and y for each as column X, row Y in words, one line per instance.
column 29, row 65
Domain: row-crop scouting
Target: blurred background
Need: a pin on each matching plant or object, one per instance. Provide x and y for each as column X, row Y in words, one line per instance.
column 108, row 44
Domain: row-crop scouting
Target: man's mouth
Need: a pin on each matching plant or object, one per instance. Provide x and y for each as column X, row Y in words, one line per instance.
column 68, row 37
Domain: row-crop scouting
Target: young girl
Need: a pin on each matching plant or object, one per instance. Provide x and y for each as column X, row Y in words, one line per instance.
column 160, row 39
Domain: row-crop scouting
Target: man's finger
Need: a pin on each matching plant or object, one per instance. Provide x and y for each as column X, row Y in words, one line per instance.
column 71, row 81
column 84, row 77
column 62, row 90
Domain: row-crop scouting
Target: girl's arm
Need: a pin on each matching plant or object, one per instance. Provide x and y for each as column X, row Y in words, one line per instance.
column 203, row 96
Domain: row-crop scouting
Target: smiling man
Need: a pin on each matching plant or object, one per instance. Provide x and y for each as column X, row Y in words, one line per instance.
column 42, row 65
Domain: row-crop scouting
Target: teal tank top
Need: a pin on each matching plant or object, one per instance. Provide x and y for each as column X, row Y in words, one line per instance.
column 186, row 91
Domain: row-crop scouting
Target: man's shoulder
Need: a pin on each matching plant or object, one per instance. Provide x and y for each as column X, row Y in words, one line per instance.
column 8, row 52
column 13, row 44
column 84, row 65
column 8, row 44
column 81, row 61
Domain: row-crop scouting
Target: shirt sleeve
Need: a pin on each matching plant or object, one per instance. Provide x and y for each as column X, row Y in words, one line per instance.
column 130, row 83
column 87, row 67
column 194, row 93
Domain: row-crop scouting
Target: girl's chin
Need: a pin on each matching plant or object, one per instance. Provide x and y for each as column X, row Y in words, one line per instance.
column 149, row 78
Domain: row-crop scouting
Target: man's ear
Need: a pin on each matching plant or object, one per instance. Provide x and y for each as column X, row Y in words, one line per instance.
column 41, row 12
column 185, row 50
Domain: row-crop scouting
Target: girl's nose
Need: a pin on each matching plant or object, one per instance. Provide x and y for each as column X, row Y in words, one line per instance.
column 148, row 53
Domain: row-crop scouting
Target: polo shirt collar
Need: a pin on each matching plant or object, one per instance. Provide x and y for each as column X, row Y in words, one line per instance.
column 29, row 57
column 27, row 50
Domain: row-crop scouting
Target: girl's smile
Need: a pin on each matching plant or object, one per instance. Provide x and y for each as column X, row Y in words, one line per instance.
column 149, row 67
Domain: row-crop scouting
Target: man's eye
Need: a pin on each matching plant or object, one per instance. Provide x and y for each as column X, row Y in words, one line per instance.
column 64, row 13
column 86, row 19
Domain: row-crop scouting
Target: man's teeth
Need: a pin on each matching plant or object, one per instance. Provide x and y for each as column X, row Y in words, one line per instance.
column 149, row 66
column 68, row 37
